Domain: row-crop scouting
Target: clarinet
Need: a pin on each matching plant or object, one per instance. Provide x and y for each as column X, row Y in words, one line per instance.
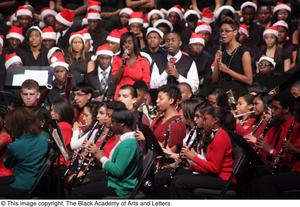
column 179, row 162
column 279, row 156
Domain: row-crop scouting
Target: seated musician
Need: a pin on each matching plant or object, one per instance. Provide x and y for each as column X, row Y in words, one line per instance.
column 26, row 154
column 192, row 117
column 121, row 167
column 283, row 122
column 212, row 165
column 244, row 120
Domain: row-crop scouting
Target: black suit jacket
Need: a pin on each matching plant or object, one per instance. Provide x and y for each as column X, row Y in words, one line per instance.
column 92, row 80
column 63, row 41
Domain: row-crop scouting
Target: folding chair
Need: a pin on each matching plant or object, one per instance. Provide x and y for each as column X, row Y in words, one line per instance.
column 228, row 191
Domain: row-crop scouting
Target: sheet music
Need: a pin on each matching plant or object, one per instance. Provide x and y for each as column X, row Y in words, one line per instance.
column 60, row 145
column 40, row 76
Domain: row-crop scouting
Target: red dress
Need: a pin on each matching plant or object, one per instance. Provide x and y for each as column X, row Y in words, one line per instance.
column 140, row 70
column 3, row 171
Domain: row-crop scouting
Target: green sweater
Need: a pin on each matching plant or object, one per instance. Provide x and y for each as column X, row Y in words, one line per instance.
column 123, row 166
column 26, row 155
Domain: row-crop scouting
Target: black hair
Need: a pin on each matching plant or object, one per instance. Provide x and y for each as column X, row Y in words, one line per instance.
column 85, row 88
column 187, row 85
column 64, row 110
column 141, row 85
column 225, row 117
column 286, row 100
column 116, row 105
column 234, row 24
column 188, row 107
column 93, row 106
column 175, row 33
column 124, row 117
column 43, row 115
column 131, row 88
column 257, row 88
column 164, row 25
column 221, row 98
column 203, row 106
column 228, row 13
column 265, row 98
column 3, row 111
column 172, row 91
column 248, row 98
column 192, row 18
column 124, row 37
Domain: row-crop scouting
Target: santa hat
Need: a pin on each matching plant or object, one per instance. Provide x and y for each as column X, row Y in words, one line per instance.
column 104, row 50
column 34, row 28
column 15, row 32
column 164, row 22
column 86, row 34
column 93, row 14
column 46, row 11
column 48, row 33
column 271, row 30
column 203, row 26
column 280, row 6
column 77, row 34
column 191, row 12
column 11, row 59
column 146, row 56
column 197, row 38
column 23, row 11
column 177, row 9
column 281, row 23
column 95, row 5
column 114, row 36
column 153, row 29
column 249, row 4
column 244, row 29
column 123, row 30
column 136, row 17
column 65, row 17
column 222, row 8
column 155, row 11
column 57, row 59
column 207, row 16
column 1, row 40
column 11, row 20
column 52, row 51
column 269, row 59
column 146, row 22
column 127, row 11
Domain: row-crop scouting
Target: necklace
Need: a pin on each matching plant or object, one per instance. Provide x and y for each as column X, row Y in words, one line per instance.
column 232, row 55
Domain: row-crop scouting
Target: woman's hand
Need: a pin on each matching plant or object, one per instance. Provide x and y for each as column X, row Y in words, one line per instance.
column 223, row 68
column 139, row 135
column 76, row 126
column 186, row 153
column 250, row 138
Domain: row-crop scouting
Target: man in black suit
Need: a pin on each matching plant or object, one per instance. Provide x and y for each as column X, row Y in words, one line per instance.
column 101, row 79
column 63, row 24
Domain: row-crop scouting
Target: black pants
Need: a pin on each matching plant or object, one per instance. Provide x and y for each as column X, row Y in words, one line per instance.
column 270, row 186
column 162, row 182
column 93, row 190
column 8, row 192
column 183, row 185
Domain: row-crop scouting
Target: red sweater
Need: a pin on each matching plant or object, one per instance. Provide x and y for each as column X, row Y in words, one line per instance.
column 3, row 171
column 219, row 159
column 246, row 128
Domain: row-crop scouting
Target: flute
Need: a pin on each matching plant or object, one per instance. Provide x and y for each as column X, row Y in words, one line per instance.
column 243, row 114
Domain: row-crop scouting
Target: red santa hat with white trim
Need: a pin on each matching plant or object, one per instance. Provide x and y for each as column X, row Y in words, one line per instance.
column 65, row 17
column 49, row 33
column 203, row 26
column 15, row 32
column 146, row 21
column 191, row 12
column 47, row 11
column 157, row 12
column 177, row 9
column 77, row 34
column 281, row 23
column 1, row 40
column 249, row 4
column 222, row 8
column 269, row 59
column 197, row 38
column 271, row 30
column 164, row 22
column 244, row 30
column 127, row 11
column 52, row 51
column 153, row 29
column 207, row 16
column 136, row 17
column 57, row 59
column 104, row 50
column 280, row 6
column 114, row 36
column 24, row 11
column 93, row 15
column 95, row 5
column 11, row 59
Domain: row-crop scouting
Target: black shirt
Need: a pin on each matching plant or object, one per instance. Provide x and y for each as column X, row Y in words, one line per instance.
column 28, row 59
column 111, row 5
column 203, row 63
column 159, row 58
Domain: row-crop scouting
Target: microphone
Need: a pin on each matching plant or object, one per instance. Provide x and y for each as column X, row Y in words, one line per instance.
column 126, row 51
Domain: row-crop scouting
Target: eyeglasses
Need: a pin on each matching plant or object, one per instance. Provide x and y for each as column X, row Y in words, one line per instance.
column 264, row 65
column 226, row 31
